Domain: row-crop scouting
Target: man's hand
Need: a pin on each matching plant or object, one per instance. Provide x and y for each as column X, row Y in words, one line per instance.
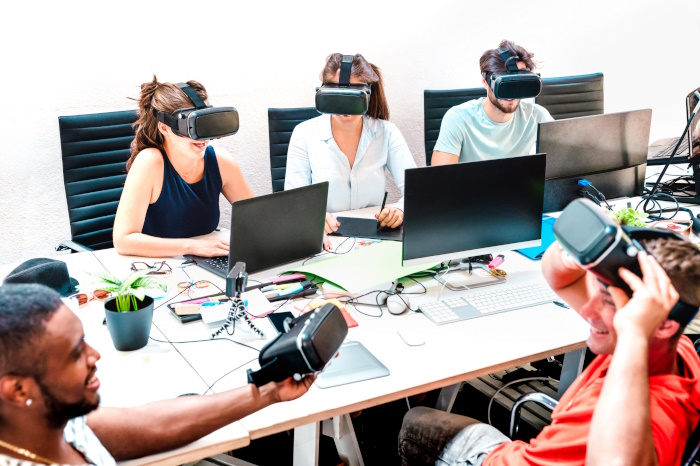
column 289, row 389
column 390, row 216
column 654, row 297
column 332, row 223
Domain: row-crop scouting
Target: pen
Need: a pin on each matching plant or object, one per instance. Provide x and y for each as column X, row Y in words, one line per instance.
column 382, row 208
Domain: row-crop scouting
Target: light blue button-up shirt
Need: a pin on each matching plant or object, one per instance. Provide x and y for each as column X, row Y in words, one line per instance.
column 314, row 157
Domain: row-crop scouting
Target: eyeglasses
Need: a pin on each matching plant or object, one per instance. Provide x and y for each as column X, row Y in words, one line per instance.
column 158, row 268
column 85, row 298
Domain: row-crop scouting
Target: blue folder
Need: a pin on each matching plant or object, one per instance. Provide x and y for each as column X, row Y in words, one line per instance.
column 547, row 238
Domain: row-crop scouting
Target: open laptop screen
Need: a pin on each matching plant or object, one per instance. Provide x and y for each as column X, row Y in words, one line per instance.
column 694, row 129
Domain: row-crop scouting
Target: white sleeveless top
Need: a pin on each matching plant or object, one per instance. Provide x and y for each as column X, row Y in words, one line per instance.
column 82, row 438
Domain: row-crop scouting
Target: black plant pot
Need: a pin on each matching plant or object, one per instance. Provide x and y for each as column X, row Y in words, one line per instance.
column 129, row 330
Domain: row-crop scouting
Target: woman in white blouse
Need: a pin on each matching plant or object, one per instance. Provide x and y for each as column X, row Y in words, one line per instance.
column 351, row 152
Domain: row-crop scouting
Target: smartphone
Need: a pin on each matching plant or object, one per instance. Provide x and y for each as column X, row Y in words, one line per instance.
column 277, row 320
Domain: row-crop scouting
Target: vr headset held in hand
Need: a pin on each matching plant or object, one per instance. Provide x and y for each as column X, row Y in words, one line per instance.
column 343, row 98
column 513, row 83
column 201, row 121
column 598, row 244
column 306, row 347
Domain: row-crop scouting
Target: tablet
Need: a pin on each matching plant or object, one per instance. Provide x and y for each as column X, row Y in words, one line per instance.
column 367, row 228
column 354, row 363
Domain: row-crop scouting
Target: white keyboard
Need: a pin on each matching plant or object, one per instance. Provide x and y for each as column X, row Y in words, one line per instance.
column 488, row 301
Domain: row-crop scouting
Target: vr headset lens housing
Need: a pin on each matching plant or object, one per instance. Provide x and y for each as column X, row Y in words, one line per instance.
column 343, row 98
column 201, row 122
column 597, row 243
column 513, row 83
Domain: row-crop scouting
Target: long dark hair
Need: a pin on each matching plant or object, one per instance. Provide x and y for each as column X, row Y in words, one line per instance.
column 166, row 97
column 367, row 73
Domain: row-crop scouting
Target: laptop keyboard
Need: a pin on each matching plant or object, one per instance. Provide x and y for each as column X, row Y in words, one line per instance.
column 215, row 265
column 667, row 150
column 490, row 301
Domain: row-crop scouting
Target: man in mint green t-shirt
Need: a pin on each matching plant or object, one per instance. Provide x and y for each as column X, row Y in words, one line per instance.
column 490, row 128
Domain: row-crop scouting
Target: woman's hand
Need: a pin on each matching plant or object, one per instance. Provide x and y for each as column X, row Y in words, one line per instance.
column 209, row 247
column 327, row 246
column 332, row 223
column 390, row 217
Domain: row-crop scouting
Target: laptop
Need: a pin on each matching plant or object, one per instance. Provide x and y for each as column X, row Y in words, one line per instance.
column 660, row 151
column 271, row 230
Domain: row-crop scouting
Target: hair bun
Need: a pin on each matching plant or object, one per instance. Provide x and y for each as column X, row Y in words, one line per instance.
column 148, row 90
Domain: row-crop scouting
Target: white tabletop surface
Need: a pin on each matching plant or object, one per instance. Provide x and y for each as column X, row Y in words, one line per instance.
column 451, row 353
column 155, row 372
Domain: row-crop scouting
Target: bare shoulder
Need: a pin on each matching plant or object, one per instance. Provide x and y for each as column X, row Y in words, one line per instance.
column 148, row 159
column 225, row 159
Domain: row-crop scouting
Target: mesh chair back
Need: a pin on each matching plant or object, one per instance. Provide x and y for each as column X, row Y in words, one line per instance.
column 281, row 122
column 435, row 105
column 94, row 151
column 572, row 96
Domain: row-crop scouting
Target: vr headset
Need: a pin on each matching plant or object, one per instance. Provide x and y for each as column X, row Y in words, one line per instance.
column 306, row 347
column 598, row 244
column 201, row 121
column 513, row 83
column 343, row 98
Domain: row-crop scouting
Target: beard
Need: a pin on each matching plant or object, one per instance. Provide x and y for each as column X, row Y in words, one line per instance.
column 500, row 106
column 59, row 412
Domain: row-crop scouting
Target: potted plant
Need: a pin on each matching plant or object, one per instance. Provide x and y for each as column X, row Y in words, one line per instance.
column 631, row 217
column 129, row 313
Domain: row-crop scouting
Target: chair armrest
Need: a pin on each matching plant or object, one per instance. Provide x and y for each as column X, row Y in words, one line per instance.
column 72, row 246
column 540, row 398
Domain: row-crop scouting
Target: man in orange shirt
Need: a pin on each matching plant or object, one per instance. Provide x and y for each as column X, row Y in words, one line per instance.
column 636, row 403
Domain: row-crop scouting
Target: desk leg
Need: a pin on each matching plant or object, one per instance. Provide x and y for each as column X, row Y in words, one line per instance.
column 306, row 444
column 343, row 433
column 447, row 397
column 571, row 368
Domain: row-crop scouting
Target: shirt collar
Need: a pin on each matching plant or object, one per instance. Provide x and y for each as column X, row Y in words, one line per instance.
column 369, row 126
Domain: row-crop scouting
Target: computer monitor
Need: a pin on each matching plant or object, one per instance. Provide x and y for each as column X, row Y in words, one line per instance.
column 608, row 150
column 472, row 208
column 694, row 130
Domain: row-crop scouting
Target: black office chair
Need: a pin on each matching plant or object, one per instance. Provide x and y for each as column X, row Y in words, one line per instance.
column 691, row 453
column 572, row 96
column 435, row 105
column 94, row 151
column 281, row 122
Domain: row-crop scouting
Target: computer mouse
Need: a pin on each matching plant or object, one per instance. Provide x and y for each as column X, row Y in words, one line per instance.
column 397, row 304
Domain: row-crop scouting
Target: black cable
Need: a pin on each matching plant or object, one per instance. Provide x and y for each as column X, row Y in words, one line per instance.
column 204, row 341
column 229, row 372
column 326, row 253
column 655, row 199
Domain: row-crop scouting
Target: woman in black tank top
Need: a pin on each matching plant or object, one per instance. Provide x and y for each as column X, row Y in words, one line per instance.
column 172, row 189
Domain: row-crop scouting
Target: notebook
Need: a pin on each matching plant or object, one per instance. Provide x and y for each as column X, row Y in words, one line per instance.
column 535, row 253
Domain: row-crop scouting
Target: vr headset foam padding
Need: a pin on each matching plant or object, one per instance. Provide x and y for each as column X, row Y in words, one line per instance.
column 598, row 244
column 343, row 98
column 311, row 341
column 513, row 83
column 202, row 121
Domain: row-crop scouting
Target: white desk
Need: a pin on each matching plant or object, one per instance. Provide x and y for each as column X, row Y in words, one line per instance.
column 155, row 372
column 452, row 353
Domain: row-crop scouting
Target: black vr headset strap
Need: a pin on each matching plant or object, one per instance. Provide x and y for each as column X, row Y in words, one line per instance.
column 683, row 312
column 510, row 59
column 168, row 119
column 345, row 68
column 192, row 94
